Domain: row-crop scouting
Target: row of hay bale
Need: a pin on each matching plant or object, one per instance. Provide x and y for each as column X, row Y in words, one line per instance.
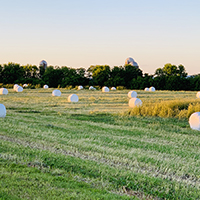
column 104, row 89
column 71, row 98
column 151, row 89
column 18, row 88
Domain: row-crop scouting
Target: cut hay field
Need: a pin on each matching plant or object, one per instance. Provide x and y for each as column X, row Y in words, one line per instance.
column 96, row 148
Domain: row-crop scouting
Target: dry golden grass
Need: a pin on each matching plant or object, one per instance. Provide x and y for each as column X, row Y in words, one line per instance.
column 181, row 108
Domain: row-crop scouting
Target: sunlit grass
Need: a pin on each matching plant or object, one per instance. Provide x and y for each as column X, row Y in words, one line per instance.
column 96, row 147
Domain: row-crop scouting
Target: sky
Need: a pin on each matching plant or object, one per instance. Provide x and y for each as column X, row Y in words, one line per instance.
column 77, row 33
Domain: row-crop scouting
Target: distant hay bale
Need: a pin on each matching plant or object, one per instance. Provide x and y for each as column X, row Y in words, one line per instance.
column 146, row 89
column 80, row 87
column 73, row 98
column 105, row 89
column 25, row 85
column 19, row 89
column 91, row 88
column 198, row 95
column 2, row 111
column 56, row 93
column 45, row 86
column 15, row 86
column 3, row 91
column 152, row 89
column 132, row 94
column 113, row 88
column 194, row 121
column 134, row 102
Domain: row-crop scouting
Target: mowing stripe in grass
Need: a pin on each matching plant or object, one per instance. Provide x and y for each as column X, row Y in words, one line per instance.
column 30, row 183
column 149, row 185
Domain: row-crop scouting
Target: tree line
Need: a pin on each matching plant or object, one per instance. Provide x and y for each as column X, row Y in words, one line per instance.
column 170, row 77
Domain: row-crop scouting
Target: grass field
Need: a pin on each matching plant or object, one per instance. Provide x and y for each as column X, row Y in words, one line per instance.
column 93, row 149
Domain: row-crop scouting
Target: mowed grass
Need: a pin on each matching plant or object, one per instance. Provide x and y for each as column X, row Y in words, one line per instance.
column 53, row 149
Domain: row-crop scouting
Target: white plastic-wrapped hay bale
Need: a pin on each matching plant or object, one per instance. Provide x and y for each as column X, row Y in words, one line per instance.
column 25, row 85
column 146, row 89
column 194, row 121
column 134, row 102
column 152, row 89
column 2, row 111
column 73, row 98
column 56, row 93
column 132, row 94
column 45, row 86
column 91, row 88
column 15, row 86
column 105, row 89
column 198, row 95
column 80, row 87
column 19, row 89
column 113, row 88
column 3, row 91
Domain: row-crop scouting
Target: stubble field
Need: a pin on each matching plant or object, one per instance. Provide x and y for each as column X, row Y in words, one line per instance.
column 93, row 149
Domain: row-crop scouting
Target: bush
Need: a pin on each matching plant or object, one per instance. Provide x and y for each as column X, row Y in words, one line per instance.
column 7, row 85
column 120, row 88
column 97, row 87
column 69, row 87
column 38, row 86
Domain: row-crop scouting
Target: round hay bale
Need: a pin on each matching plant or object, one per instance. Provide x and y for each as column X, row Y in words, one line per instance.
column 15, row 86
column 3, row 91
column 25, row 85
column 194, row 121
column 19, row 89
column 2, row 111
column 91, row 88
column 134, row 102
column 56, row 93
column 105, row 89
column 45, row 86
column 80, row 87
column 152, row 89
column 73, row 98
column 132, row 94
column 113, row 88
column 146, row 89
column 198, row 95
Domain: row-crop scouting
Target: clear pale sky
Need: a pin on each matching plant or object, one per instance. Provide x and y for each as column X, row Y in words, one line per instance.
column 77, row 33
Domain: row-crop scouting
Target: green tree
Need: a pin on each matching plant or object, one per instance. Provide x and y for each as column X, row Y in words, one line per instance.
column 181, row 71
column 53, row 76
column 81, row 73
column 30, row 71
column 100, row 74
column 71, row 77
column 12, row 73
column 171, row 77
column 116, row 78
column 130, row 73
column 171, row 70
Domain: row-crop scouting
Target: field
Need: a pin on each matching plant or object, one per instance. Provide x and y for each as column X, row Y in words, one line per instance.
column 93, row 149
